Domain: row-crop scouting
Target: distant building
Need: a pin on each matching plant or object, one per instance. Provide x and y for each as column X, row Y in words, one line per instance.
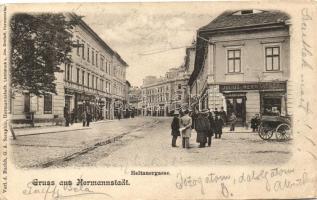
column 135, row 100
column 242, row 63
column 162, row 96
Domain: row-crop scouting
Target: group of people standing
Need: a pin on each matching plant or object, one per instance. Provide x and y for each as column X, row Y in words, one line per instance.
column 70, row 117
column 206, row 123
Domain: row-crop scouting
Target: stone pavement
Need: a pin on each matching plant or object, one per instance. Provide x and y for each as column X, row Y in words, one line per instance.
column 53, row 129
column 37, row 149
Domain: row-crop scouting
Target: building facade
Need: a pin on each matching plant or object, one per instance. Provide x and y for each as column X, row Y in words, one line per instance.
column 135, row 100
column 242, row 63
column 94, row 81
column 161, row 96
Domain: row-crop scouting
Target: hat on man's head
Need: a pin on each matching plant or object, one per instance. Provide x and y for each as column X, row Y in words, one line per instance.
column 176, row 112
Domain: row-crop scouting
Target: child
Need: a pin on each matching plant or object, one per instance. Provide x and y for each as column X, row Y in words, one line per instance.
column 218, row 126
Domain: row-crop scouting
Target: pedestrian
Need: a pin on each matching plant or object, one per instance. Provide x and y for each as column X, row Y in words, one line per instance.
column 254, row 123
column 119, row 114
column 72, row 116
column 233, row 121
column 218, row 126
column 223, row 115
column 186, row 129
column 84, row 117
column 216, row 112
column 175, row 128
column 89, row 118
column 212, row 128
column 66, row 116
column 194, row 117
column 202, row 128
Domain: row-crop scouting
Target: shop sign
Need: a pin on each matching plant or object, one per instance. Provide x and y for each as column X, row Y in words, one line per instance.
column 254, row 86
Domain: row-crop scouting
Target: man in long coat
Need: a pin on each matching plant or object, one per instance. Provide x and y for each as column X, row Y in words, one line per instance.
column 218, row 126
column 212, row 128
column 175, row 128
column 186, row 123
column 202, row 128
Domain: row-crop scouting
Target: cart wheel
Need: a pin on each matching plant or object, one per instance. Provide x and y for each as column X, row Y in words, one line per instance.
column 283, row 132
column 265, row 133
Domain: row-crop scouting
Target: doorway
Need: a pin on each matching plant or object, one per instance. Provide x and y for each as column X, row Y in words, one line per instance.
column 236, row 105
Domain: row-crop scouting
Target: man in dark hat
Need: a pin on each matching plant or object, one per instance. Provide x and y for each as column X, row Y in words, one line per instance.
column 202, row 128
column 175, row 128
column 212, row 127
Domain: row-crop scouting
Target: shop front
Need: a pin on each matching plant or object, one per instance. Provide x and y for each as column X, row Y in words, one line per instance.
column 236, row 103
column 248, row 99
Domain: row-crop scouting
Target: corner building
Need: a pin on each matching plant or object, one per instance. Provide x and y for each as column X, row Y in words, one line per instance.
column 242, row 63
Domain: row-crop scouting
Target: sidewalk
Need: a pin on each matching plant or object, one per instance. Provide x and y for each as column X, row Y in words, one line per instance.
column 237, row 130
column 54, row 129
column 48, row 129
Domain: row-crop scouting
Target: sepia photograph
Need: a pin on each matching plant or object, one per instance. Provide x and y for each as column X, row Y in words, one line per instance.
column 154, row 90
column 74, row 102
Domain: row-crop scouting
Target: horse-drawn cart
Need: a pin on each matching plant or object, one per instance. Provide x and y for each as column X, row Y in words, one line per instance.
column 279, row 125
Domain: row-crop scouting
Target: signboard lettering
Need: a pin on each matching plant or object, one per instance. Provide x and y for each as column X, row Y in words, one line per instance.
column 254, row 86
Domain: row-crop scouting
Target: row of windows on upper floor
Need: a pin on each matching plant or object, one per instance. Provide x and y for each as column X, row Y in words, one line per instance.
column 272, row 59
column 92, row 56
column 161, row 98
column 118, row 88
column 160, row 90
column 86, row 79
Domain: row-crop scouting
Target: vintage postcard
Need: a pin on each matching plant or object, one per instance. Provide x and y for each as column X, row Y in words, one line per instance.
column 169, row 100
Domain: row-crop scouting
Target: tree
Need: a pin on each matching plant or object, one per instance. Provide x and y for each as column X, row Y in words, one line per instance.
column 40, row 43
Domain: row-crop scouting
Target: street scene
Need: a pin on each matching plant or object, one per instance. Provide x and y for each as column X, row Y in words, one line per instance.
column 146, row 88
column 142, row 142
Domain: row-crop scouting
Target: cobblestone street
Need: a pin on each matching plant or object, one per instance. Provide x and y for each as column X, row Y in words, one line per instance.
column 141, row 142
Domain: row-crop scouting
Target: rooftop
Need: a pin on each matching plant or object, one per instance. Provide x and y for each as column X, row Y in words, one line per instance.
column 246, row 18
column 230, row 21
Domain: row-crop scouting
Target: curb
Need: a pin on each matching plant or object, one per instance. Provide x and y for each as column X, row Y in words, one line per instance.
column 85, row 150
column 56, row 131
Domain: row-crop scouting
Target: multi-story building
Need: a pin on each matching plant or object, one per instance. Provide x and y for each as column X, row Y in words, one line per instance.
column 135, row 100
column 119, row 85
column 242, row 63
column 94, row 81
column 161, row 96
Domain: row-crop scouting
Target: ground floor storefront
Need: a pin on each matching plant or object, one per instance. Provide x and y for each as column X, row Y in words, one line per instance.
column 246, row 99
column 97, row 105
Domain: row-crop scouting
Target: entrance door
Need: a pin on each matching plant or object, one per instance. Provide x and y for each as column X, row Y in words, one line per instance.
column 236, row 105
column 67, row 103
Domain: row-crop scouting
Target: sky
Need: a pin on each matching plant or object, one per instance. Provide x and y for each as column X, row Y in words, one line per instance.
column 151, row 39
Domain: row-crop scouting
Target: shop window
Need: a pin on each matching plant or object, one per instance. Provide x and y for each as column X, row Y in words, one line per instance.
column 234, row 61
column 271, row 105
column 48, row 104
column 272, row 58
column 27, row 102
